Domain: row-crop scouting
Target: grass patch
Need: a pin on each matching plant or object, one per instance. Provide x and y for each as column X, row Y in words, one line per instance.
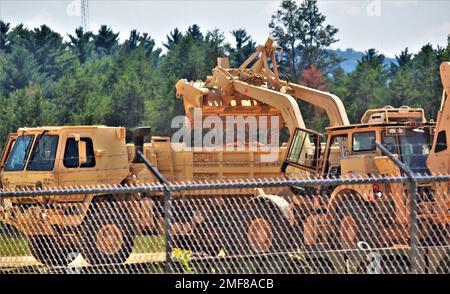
column 18, row 246
column 13, row 246
column 149, row 244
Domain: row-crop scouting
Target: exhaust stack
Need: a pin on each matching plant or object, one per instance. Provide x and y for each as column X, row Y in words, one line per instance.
column 138, row 139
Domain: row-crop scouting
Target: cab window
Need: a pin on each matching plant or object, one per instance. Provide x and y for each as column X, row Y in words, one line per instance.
column 364, row 141
column 71, row 159
column 390, row 143
column 19, row 153
column 44, row 152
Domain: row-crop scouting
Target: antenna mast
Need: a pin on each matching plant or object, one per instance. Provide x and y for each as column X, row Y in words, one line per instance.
column 85, row 15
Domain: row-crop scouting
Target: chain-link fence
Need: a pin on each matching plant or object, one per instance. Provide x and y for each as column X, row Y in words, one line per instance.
column 351, row 225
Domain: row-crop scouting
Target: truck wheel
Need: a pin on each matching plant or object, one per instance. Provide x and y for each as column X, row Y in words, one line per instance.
column 107, row 234
column 266, row 230
column 49, row 251
column 358, row 221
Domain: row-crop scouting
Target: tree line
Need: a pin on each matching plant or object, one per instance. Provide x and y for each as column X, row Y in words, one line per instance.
column 92, row 78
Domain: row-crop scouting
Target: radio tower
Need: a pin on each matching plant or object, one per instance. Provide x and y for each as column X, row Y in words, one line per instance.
column 85, row 15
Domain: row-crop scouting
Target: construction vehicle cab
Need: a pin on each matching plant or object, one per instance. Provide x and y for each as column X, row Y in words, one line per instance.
column 340, row 216
column 59, row 156
column 351, row 150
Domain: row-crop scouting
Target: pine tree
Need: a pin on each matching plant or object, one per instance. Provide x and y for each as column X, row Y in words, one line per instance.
column 301, row 29
column 173, row 38
column 366, row 86
column 81, row 44
column 314, row 36
column 4, row 38
column 244, row 47
column 284, row 27
column 106, row 40
column 20, row 69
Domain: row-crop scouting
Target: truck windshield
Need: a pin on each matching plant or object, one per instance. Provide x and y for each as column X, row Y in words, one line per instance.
column 415, row 150
column 413, row 147
column 44, row 152
column 19, row 153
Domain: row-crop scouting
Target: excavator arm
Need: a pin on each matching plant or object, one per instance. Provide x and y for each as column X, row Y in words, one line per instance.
column 439, row 159
column 332, row 105
column 259, row 81
column 283, row 102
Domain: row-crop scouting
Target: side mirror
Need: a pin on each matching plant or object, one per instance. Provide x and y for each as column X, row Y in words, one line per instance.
column 82, row 152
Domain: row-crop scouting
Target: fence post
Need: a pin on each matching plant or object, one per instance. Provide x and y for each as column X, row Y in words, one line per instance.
column 167, row 210
column 168, row 231
column 413, row 227
column 412, row 190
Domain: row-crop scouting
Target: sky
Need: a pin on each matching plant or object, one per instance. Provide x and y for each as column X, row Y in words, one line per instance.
column 387, row 25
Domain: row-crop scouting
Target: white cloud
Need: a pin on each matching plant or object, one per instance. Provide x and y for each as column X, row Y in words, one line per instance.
column 40, row 18
column 439, row 32
column 271, row 6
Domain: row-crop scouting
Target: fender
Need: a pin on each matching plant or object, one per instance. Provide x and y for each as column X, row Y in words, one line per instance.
column 282, row 204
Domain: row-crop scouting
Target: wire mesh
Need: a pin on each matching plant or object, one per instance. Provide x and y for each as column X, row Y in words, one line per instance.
column 314, row 226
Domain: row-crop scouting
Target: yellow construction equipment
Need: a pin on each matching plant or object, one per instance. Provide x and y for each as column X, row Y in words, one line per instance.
column 45, row 157
column 376, row 214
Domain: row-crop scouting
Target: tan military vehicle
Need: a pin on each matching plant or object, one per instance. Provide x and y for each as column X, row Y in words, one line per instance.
column 97, row 155
column 92, row 155
column 377, row 214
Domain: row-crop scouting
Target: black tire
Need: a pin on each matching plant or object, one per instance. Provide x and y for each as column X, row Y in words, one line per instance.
column 266, row 230
column 50, row 251
column 107, row 233
column 359, row 221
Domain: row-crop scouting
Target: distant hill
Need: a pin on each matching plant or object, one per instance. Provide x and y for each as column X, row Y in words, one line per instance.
column 351, row 58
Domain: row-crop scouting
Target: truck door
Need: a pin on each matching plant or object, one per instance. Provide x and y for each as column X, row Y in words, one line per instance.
column 78, row 162
column 305, row 151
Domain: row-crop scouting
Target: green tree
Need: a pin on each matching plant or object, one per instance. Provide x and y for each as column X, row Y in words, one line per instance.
column 106, row 41
column 173, row 38
column 195, row 33
column 83, row 97
column 4, row 38
column 244, row 47
column 214, row 47
column 49, row 52
column 365, row 87
column 31, row 108
column 20, row 69
column 81, row 44
column 144, row 42
column 314, row 37
column 427, row 81
column 131, row 80
column 402, row 90
column 7, row 123
column 301, row 29
column 284, row 27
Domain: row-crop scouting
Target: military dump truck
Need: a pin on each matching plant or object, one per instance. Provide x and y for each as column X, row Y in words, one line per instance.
column 98, row 155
